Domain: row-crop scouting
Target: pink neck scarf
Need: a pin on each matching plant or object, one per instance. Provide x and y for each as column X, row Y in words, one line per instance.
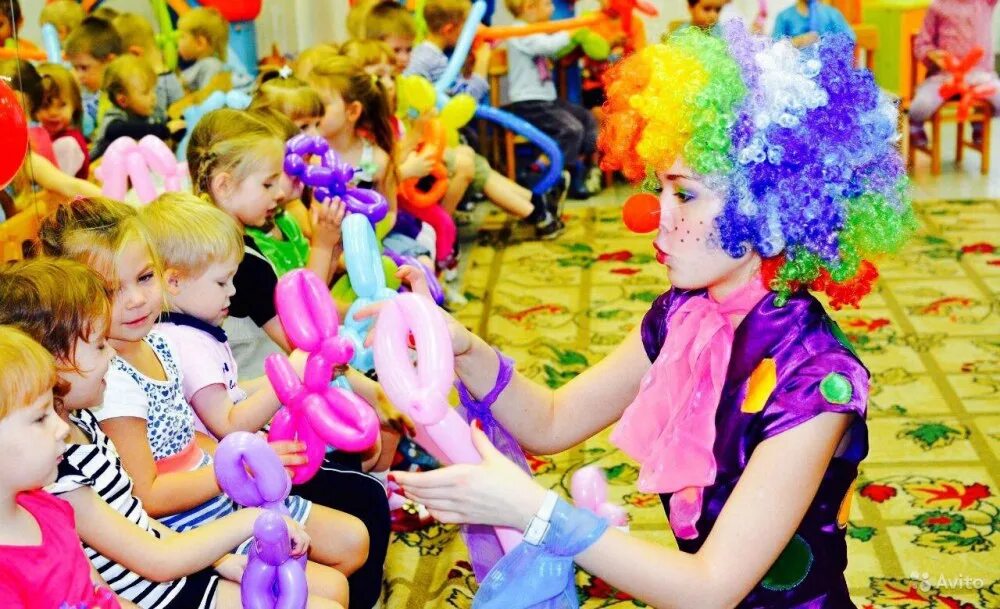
column 670, row 426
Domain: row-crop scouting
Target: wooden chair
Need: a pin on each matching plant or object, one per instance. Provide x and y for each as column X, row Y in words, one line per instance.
column 18, row 232
column 981, row 112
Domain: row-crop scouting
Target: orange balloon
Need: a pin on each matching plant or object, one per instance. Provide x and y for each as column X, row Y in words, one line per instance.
column 642, row 213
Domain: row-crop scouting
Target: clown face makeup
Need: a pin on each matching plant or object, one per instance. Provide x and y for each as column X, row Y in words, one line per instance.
column 687, row 241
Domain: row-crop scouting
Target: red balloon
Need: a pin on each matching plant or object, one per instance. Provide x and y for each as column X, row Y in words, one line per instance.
column 14, row 126
column 642, row 213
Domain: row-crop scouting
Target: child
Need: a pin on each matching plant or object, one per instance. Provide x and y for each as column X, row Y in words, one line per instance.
column 40, row 559
column 952, row 27
column 11, row 20
column 235, row 159
column 144, row 412
column 310, row 57
column 386, row 21
column 532, row 94
column 204, row 39
column 444, row 23
column 289, row 96
column 64, row 15
column 705, row 13
column 130, row 86
column 89, row 49
column 61, row 113
column 795, row 22
column 138, row 39
column 201, row 248
column 39, row 170
column 63, row 304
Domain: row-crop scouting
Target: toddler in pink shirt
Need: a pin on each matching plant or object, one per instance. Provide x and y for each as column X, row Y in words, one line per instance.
column 955, row 27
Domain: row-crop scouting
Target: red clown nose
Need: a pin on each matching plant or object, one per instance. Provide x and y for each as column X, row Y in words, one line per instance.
column 642, row 213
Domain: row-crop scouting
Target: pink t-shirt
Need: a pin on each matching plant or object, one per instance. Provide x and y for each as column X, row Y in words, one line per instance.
column 957, row 26
column 47, row 575
column 204, row 357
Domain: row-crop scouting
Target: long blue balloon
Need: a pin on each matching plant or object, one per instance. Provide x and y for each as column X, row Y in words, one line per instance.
column 543, row 141
column 462, row 48
column 504, row 119
column 50, row 42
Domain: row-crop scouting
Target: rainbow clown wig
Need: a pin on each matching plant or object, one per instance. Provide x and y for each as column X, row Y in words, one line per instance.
column 802, row 143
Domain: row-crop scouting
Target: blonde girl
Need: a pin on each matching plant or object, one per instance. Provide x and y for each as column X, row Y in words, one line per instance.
column 285, row 94
column 144, row 412
column 40, row 559
column 235, row 159
column 61, row 113
column 63, row 304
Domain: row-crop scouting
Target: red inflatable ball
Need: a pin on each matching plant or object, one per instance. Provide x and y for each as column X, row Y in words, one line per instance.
column 641, row 213
column 15, row 129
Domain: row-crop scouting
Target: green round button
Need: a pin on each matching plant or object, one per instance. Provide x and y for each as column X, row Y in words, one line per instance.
column 836, row 388
column 791, row 567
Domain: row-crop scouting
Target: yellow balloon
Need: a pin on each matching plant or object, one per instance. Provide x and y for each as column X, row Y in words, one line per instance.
column 458, row 111
column 414, row 92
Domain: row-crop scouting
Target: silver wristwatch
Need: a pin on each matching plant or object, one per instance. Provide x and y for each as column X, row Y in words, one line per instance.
column 539, row 525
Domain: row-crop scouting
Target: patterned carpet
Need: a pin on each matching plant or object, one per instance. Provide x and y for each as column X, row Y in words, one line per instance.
column 925, row 520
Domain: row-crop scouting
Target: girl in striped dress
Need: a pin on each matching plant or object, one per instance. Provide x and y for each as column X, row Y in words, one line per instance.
column 63, row 305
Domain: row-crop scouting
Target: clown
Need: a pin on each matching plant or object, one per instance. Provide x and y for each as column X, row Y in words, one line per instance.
column 777, row 172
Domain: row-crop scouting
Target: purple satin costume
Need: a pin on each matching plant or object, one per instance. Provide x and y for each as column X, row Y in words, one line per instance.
column 816, row 373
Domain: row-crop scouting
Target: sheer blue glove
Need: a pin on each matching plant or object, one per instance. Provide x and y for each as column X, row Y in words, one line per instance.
column 542, row 576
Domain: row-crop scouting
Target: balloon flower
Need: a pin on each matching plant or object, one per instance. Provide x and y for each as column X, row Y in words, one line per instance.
column 315, row 412
column 250, row 472
column 589, row 488
column 422, row 392
column 433, row 137
column 127, row 161
column 331, row 177
column 15, row 130
column 959, row 86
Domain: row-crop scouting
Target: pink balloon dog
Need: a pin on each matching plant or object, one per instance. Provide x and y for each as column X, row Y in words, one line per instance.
column 126, row 161
column 250, row 472
column 590, row 491
column 422, row 393
column 315, row 412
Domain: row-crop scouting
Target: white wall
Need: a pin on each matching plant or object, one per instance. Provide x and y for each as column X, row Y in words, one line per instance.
column 297, row 24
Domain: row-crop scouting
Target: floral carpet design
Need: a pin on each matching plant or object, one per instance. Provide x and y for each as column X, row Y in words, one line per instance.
column 924, row 528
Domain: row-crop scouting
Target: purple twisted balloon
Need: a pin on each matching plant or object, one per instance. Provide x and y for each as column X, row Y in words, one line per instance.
column 250, row 472
column 437, row 292
column 332, row 177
